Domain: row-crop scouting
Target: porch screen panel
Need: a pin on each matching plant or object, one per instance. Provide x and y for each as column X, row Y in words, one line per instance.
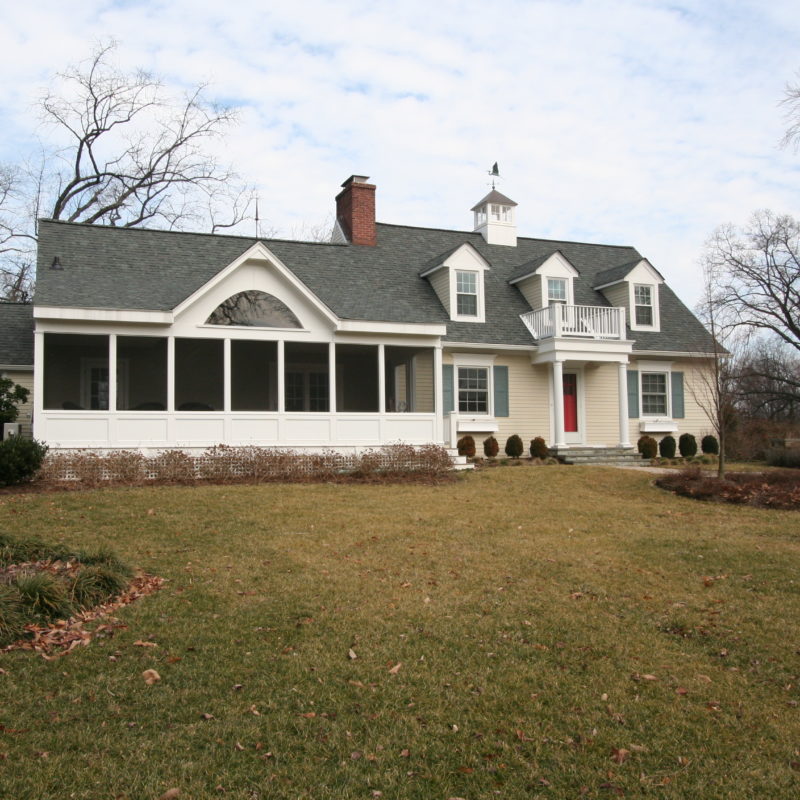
column 199, row 375
column 306, row 376
column 409, row 379
column 254, row 376
column 357, row 377
column 76, row 372
column 141, row 373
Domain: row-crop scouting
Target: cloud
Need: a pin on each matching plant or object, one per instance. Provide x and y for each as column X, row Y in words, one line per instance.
column 644, row 123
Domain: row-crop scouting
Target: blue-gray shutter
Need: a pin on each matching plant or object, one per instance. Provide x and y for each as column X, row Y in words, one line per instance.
column 501, row 391
column 447, row 387
column 676, row 382
column 633, row 393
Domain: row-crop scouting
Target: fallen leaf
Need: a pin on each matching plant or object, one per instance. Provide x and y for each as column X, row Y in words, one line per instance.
column 140, row 643
column 170, row 794
column 351, row 654
column 151, row 676
column 405, row 752
column 619, row 755
column 396, row 668
column 681, row 691
column 254, row 710
column 355, row 755
column 239, row 746
column 206, row 716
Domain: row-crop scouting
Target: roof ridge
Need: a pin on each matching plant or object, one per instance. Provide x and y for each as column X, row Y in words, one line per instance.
column 192, row 233
column 526, row 238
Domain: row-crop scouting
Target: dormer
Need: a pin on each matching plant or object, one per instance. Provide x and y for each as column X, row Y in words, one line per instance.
column 457, row 277
column 494, row 219
column 547, row 280
column 635, row 287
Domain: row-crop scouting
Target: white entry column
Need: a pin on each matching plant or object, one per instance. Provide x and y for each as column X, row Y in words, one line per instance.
column 558, row 403
column 623, row 405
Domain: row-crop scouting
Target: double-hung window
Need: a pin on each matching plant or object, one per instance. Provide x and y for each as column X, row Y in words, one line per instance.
column 654, row 393
column 643, row 304
column 556, row 291
column 467, row 294
column 473, row 390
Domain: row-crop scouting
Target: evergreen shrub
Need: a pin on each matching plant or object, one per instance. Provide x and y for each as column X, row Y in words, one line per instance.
column 666, row 447
column 687, row 445
column 514, row 446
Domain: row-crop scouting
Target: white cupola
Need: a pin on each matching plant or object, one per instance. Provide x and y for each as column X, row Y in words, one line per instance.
column 494, row 219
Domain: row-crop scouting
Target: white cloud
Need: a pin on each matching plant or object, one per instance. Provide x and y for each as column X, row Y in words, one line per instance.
column 634, row 122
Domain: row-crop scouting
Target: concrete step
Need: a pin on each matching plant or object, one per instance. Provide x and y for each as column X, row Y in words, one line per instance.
column 596, row 455
column 459, row 462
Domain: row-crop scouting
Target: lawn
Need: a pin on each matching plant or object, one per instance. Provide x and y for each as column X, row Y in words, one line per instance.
column 554, row 632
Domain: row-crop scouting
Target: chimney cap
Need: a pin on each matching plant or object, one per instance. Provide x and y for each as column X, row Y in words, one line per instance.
column 355, row 179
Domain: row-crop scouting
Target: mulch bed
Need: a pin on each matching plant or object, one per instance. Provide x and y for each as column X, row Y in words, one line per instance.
column 775, row 489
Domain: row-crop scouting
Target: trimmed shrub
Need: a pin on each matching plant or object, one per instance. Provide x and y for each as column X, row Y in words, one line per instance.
column 666, row 447
column 43, row 595
column 95, row 584
column 687, row 445
column 466, row 446
column 20, row 459
column 648, row 447
column 709, row 445
column 12, row 617
column 514, row 446
column 490, row 447
column 788, row 457
column 539, row 448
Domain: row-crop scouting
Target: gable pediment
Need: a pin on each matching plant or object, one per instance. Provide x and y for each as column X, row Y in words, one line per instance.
column 555, row 265
column 465, row 256
column 640, row 271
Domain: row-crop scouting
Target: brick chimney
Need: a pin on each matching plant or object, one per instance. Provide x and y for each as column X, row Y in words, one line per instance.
column 355, row 210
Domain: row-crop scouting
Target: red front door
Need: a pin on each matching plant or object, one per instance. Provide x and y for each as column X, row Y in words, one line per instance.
column 570, row 402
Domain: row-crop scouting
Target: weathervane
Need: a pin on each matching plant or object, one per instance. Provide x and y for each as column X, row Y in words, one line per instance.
column 494, row 172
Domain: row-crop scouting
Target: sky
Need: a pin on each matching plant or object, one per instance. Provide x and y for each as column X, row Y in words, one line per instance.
column 633, row 122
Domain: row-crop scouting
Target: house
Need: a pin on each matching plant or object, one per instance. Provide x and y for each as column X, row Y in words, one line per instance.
column 16, row 354
column 152, row 339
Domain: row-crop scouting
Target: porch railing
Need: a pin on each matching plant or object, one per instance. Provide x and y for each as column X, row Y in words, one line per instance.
column 585, row 322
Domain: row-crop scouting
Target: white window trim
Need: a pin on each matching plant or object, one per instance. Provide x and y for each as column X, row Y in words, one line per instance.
column 568, row 290
column 658, row 368
column 656, row 326
column 481, row 315
column 475, row 361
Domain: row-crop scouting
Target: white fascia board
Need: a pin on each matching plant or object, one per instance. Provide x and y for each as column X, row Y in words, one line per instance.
column 103, row 315
column 16, row 367
column 565, row 349
column 456, row 256
column 401, row 328
column 677, row 354
column 450, row 346
column 606, row 285
column 431, row 270
column 259, row 251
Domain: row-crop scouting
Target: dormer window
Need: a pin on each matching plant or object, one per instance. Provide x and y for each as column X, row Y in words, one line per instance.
column 557, row 291
column 643, row 304
column 501, row 213
column 466, row 294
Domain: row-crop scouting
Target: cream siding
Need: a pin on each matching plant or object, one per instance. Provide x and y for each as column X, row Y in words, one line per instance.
column 618, row 295
column 696, row 377
column 25, row 418
column 531, row 289
column 601, row 401
column 440, row 281
column 423, row 381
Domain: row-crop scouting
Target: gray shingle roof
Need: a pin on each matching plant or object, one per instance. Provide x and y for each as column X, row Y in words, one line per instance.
column 142, row 269
column 16, row 334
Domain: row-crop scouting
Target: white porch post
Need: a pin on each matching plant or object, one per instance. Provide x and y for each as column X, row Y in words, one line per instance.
column 171, row 374
column 623, row 405
column 281, row 379
column 226, row 375
column 558, row 403
column 112, row 372
column 438, row 397
column 38, row 386
column 332, row 377
column 381, row 379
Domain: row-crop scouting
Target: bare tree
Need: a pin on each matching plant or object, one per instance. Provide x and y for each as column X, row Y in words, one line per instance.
column 756, row 275
column 768, row 382
column 791, row 100
column 135, row 157
column 17, row 240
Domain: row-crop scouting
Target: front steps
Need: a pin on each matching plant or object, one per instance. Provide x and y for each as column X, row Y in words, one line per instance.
column 459, row 462
column 577, row 454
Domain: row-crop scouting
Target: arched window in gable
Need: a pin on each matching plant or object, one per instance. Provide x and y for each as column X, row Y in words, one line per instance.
column 254, row 309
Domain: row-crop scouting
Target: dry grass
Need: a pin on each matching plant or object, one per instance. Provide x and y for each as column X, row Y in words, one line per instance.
column 527, row 610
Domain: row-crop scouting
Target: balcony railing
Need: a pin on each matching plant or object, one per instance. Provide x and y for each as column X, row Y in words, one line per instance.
column 583, row 322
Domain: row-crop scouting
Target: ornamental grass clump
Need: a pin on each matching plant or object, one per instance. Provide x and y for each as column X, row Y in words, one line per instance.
column 95, row 584
column 12, row 615
column 687, row 445
column 43, row 596
column 666, row 447
column 648, row 447
column 514, row 446
column 539, row 448
column 490, row 447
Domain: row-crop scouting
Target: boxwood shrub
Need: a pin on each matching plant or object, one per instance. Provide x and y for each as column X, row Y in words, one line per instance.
column 687, row 445
column 666, row 447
